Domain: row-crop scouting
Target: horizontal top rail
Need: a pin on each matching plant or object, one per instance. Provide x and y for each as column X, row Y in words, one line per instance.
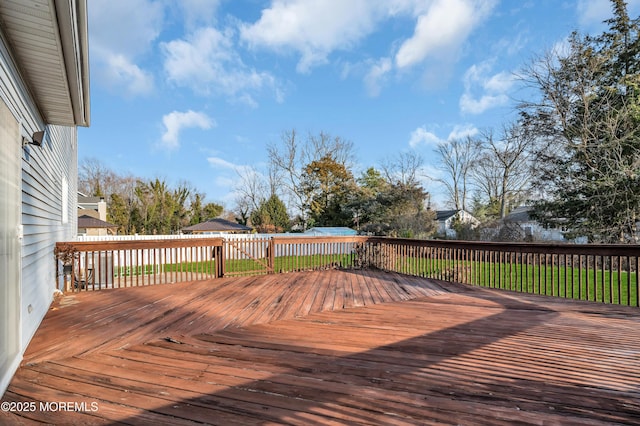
column 141, row 244
column 549, row 248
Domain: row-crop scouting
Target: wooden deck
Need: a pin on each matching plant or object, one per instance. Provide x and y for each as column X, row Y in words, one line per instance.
column 328, row 347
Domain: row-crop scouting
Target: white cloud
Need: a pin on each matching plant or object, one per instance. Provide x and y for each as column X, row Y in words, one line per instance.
column 121, row 31
column 220, row 163
column 315, row 28
column 175, row 121
column 462, row 132
column 472, row 105
column 442, row 29
column 421, row 136
column 206, row 62
column 198, row 12
column 312, row 28
column 376, row 76
column 483, row 91
column 122, row 73
column 240, row 169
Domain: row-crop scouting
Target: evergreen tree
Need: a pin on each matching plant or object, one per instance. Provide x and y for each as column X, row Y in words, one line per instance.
column 589, row 115
column 271, row 216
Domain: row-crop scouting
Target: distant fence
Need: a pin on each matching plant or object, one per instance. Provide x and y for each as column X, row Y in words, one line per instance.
column 604, row 273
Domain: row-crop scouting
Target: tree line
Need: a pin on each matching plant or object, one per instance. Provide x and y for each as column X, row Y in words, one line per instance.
column 144, row 206
column 311, row 182
column 314, row 175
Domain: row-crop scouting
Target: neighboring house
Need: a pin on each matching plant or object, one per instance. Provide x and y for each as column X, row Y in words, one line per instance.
column 532, row 230
column 217, row 226
column 447, row 218
column 332, row 231
column 92, row 217
column 92, row 206
column 92, row 226
column 44, row 96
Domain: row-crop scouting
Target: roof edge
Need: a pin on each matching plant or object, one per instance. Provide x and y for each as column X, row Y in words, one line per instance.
column 74, row 36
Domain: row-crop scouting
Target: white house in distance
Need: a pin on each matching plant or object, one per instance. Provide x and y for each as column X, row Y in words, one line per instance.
column 44, row 96
column 446, row 219
column 533, row 230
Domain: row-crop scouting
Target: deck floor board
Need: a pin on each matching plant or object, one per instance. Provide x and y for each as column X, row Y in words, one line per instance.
column 331, row 347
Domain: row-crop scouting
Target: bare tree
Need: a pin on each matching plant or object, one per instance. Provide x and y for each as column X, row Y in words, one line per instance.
column 251, row 187
column 289, row 159
column 96, row 179
column 275, row 180
column 503, row 170
column 457, row 157
column 403, row 169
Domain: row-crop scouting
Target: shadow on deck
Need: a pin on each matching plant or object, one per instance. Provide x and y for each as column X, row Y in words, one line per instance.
column 331, row 347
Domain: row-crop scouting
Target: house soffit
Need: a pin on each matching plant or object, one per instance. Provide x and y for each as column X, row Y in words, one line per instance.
column 48, row 41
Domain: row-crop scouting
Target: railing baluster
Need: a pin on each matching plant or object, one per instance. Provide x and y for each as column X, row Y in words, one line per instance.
column 566, row 273
column 637, row 283
column 628, row 298
column 580, row 279
column 619, row 280
column 523, row 271
column 540, row 270
column 601, row 284
column 592, row 272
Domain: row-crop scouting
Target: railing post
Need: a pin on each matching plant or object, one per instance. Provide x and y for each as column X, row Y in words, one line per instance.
column 271, row 249
column 220, row 260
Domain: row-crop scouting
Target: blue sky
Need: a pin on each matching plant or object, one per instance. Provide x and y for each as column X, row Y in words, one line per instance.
column 195, row 90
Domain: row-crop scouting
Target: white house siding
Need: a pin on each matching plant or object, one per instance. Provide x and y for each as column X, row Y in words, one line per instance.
column 47, row 172
column 49, row 187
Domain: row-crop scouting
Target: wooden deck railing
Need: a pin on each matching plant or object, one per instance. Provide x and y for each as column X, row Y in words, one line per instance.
column 115, row 264
column 603, row 273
